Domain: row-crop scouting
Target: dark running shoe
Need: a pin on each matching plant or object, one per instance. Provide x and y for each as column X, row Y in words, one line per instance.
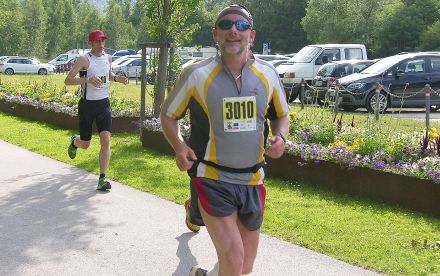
column 72, row 150
column 197, row 270
column 103, row 184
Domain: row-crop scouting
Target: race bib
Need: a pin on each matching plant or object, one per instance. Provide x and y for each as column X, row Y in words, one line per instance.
column 103, row 78
column 239, row 114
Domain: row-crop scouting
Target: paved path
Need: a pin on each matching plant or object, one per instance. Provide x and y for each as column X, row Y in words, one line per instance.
column 53, row 222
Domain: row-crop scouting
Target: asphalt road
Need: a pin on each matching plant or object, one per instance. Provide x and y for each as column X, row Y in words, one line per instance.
column 54, row 222
column 410, row 113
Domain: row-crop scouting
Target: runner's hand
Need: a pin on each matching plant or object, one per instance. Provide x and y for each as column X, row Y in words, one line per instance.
column 96, row 82
column 121, row 78
column 276, row 148
column 185, row 158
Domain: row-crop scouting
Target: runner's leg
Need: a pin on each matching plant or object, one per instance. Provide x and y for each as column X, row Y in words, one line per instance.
column 104, row 153
column 227, row 240
column 250, row 243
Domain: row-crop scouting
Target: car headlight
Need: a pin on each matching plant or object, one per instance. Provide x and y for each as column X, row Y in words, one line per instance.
column 356, row 85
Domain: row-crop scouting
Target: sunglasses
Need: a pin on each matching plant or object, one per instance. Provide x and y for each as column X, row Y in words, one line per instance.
column 241, row 25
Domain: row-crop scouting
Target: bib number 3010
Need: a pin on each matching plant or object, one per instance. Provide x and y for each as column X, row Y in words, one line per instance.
column 239, row 114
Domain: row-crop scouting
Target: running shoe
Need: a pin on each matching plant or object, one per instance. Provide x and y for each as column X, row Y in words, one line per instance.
column 191, row 226
column 197, row 270
column 103, row 184
column 72, row 150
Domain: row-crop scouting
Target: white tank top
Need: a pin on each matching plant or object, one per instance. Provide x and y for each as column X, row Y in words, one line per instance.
column 98, row 67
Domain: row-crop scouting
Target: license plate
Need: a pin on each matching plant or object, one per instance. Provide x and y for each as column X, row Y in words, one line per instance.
column 287, row 80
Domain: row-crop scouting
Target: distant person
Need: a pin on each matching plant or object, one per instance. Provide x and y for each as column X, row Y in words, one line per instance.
column 95, row 74
column 229, row 97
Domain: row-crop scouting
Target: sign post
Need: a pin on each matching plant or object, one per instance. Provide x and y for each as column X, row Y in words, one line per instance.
column 266, row 48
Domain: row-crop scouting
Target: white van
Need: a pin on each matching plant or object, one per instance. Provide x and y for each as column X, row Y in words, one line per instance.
column 306, row 63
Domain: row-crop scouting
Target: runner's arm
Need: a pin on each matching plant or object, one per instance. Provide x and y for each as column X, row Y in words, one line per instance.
column 113, row 76
column 280, row 128
column 81, row 64
column 185, row 156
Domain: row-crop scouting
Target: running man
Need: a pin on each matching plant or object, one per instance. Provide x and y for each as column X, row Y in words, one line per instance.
column 95, row 75
column 229, row 97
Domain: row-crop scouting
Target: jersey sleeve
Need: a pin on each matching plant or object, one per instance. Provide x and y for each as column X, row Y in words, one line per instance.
column 278, row 106
column 177, row 102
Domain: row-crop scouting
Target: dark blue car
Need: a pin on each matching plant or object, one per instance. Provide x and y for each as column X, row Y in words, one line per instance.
column 402, row 78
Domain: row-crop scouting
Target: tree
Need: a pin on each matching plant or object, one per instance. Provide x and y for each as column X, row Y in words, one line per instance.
column 203, row 20
column 34, row 23
column 278, row 24
column 338, row 21
column 57, row 28
column 168, row 23
column 430, row 38
column 12, row 33
column 90, row 20
column 117, row 28
column 399, row 25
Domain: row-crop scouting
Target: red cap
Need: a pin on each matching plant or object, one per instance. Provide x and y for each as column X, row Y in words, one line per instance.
column 97, row 35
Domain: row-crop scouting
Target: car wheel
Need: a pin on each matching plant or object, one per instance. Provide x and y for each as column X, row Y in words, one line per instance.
column 42, row 71
column 372, row 101
column 310, row 97
column 291, row 94
column 349, row 108
column 9, row 71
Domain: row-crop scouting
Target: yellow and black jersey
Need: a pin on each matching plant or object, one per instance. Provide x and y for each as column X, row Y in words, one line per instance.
column 227, row 123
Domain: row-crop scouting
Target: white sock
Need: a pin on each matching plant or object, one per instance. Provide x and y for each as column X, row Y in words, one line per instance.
column 213, row 271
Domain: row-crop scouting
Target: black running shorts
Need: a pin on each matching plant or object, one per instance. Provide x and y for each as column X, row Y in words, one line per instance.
column 221, row 199
column 98, row 111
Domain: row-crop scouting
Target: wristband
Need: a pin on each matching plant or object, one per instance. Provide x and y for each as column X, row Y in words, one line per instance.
column 282, row 137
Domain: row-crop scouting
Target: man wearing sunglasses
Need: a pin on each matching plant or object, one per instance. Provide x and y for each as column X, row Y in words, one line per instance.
column 229, row 97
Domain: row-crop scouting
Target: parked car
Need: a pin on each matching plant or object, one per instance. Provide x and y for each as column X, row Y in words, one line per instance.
column 66, row 66
column 188, row 61
column 277, row 62
column 402, row 78
column 271, row 57
column 63, row 58
column 131, row 67
column 305, row 63
column 329, row 73
column 121, row 53
column 12, row 65
column 124, row 58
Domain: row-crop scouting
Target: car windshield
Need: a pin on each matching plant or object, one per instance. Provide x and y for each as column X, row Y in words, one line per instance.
column 306, row 54
column 382, row 65
column 126, row 62
column 326, row 70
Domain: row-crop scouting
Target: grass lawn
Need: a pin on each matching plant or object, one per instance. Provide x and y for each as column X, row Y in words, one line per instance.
column 130, row 91
column 376, row 236
column 387, row 122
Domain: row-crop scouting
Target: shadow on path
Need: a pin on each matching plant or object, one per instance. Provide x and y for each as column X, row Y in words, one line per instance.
column 186, row 258
column 52, row 215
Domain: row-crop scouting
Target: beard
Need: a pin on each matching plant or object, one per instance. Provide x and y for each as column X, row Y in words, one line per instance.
column 232, row 50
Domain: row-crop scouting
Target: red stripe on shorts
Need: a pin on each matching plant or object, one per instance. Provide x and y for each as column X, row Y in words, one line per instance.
column 203, row 197
column 262, row 190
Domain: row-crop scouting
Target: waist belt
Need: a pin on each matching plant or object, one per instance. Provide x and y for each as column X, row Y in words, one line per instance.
column 252, row 169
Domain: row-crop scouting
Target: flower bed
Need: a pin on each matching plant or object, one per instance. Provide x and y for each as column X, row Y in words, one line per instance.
column 406, row 191
column 65, row 120
column 50, row 104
